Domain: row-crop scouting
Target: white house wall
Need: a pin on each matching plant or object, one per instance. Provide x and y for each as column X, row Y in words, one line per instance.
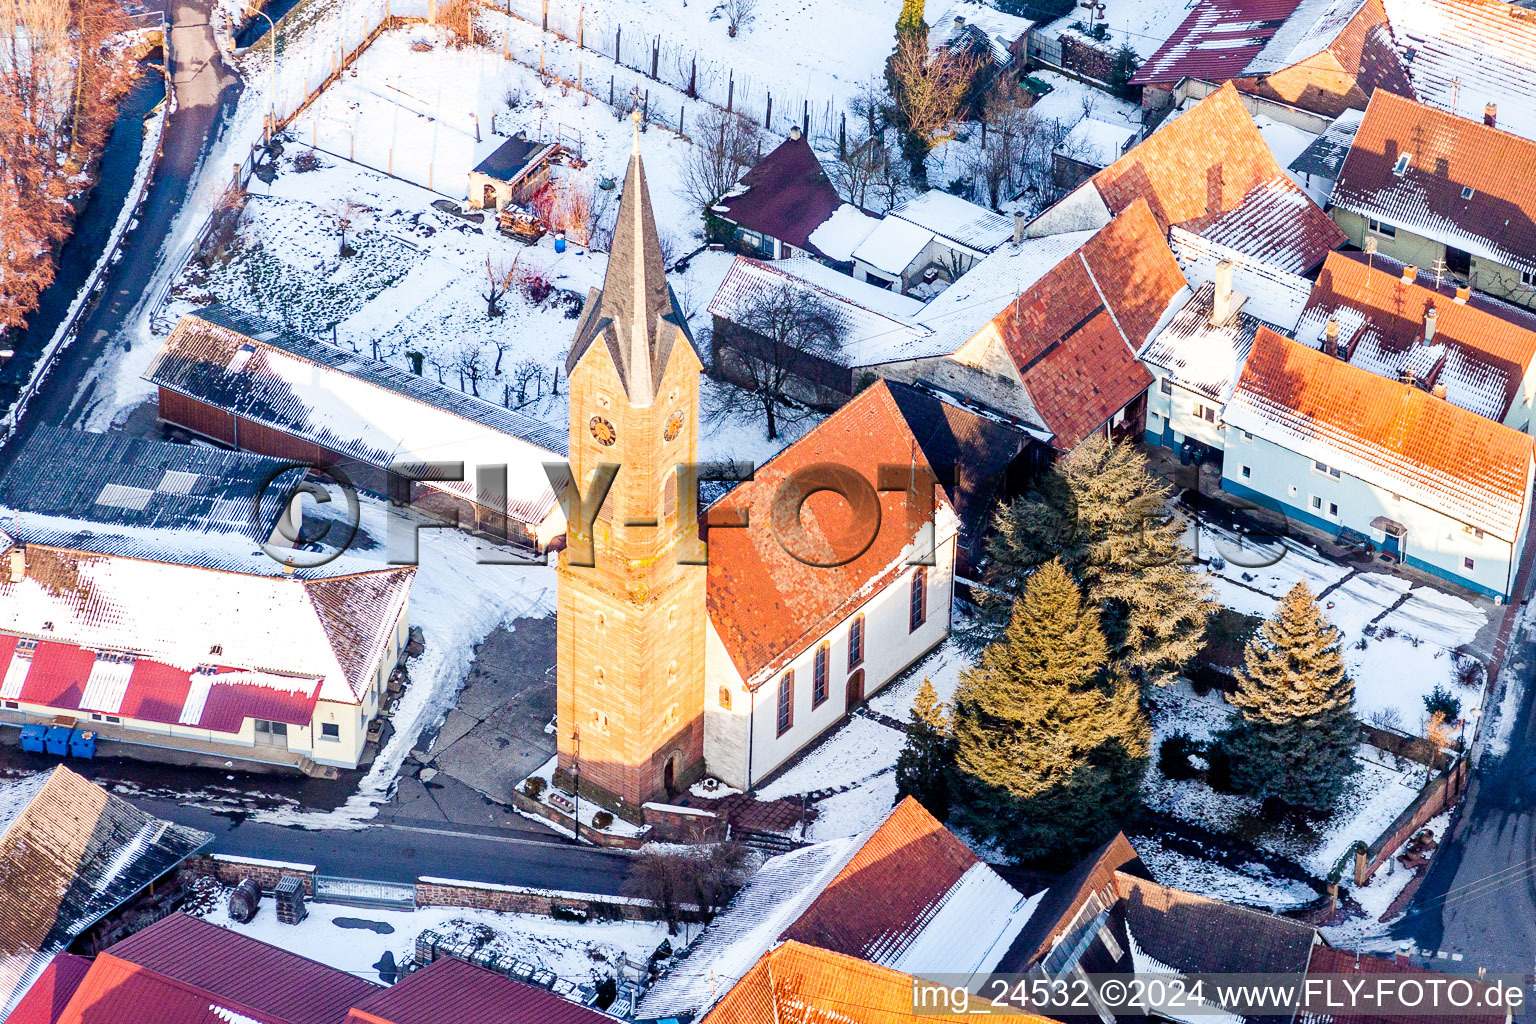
column 1171, row 418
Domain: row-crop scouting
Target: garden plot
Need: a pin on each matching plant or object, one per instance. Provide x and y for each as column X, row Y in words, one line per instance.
column 1251, row 884
column 1400, row 639
column 1372, row 800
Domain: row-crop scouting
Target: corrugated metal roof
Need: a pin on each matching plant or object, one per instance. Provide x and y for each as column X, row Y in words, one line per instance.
column 957, row 220
column 450, row 991
column 237, row 969
column 45, row 1001
column 1325, row 154
column 1216, row 41
column 118, row 992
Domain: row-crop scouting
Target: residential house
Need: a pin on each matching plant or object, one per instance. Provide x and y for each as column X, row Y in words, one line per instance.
column 1338, row 448
column 797, row 982
column 927, row 242
column 773, row 210
column 1323, row 56
column 802, row 628
column 516, row 170
column 451, row 991
column 1088, row 147
column 1209, row 171
column 45, row 1000
column 278, row 669
column 823, row 378
column 1462, row 55
column 1442, row 193
column 969, row 24
column 1320, row 162
column 1328, row 962
column 906, row 895
column 76, row 865
column 1197, row 358
column 252, row 384
column 1393, row 325
column 1057, row 357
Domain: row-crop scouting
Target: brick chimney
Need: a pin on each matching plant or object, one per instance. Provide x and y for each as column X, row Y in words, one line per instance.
column 18, row 563
column 1431, row 316
column 1410, row 274
column 795, row 133
column 1226, row 303
column 1018, row 227
column 1331, row 336
column 1491, row 115
column 1438, row 391
column 1463, row 293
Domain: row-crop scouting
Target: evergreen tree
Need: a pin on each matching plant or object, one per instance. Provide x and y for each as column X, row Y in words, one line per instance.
column 1294, row 734
column 1123, row 70
column 909, row 23
column 1049, row 745
column 1110, row 521
column 923, row 766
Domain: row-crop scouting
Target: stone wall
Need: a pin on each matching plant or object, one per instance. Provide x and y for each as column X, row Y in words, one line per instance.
column 513, row 899
column 230, row 870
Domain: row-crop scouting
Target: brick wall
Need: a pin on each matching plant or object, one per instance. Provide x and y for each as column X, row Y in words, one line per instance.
column 1436, row 798
column 230, row 870
column 519, row 900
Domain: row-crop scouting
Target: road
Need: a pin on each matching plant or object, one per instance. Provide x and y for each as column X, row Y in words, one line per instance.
column 206, row 91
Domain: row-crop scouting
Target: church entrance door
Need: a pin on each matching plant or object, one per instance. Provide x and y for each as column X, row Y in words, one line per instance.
column 855, row 688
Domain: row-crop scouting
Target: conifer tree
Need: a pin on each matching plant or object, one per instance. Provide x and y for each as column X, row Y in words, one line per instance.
column 1294, row 734
column 1110, row 521
column 923, row 766
column 909, row 23
column 1049, row 744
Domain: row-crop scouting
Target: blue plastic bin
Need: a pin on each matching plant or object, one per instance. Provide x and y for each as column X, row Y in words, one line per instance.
column 57, row 740
column 32, row 737
column 83, row 744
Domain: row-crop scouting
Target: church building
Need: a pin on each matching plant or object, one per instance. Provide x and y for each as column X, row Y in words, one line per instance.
column 827, row 575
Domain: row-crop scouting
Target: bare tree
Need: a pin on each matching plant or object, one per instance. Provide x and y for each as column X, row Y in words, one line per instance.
column 869, row 174
column 725, row 145
column 500, row 343
column 345, row 212
column 930, row 85
column 439, row 364
column 738, row 15
column 528, row 372
column 468, row 361
column 672, row 877
column 499, row 276
column 774, row 335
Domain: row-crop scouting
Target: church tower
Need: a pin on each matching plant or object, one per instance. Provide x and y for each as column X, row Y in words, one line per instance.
column 631, row 626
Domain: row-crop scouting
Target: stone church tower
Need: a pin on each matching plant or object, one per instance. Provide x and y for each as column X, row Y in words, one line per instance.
column 632, row 626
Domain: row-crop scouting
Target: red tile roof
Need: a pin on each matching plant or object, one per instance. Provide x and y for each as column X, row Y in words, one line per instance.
column 889, row 888
column 1386, row 432
column 1208, row 163
column 1446, row 156
column 788, row 195
column 244, row 970
column 449, row 991
column 798, row 984
column 1326, row 960
column 1216, row 41
column 45, row 1001
column 1486, row 357
column 767, row 605
column 115, row 991
column 1074, row 334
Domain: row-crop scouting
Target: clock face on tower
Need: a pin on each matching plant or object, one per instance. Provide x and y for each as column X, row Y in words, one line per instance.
column 603, row 431
column 674, row 425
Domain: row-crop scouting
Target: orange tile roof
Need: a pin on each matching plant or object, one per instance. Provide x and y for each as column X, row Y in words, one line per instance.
column 1210, row 162
column 798, row 984
column 1447, row 155
column 767, row 605
column 1074, row 334
column 888, row 888
column 1486, row 355
column 1389, row 433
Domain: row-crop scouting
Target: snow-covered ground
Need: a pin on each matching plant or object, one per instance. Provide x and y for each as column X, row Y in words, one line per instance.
column 1399, row 638
column 1144, row 24
column 575, row 952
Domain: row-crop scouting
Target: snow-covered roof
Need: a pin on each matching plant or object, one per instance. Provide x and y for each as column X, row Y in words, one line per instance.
column 1143, row 25
column 71, row 853
column 893, row 245
column 1310, row 29
column 1096, row 143
column 1265, row 226
column 1462, row 54
column 1325, row 154
column 1274, row 296
column 89, row 617
column 361, row 408
column 840, row 234
column 968, row 18
column 956, row 314
column 956, row 220
column 866, row 314
column 1448, row 178
column 1387, row 433
column 1216, row 41
column 1199, row 355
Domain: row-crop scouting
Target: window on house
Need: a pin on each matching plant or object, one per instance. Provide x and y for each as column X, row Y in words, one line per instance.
column 1403, row 161
column 918, row 603
column 1325, row 469
column 1528, row 278
column 1333, row 509
column 786, row 701
column 1467, row 563
column 1209, row 413
column 1316, row 503
column 856, row 643
column 12, row 704
column 330, row 731
column 725, row 697
column 1246, row 436
column 1247, row 472
column 270, row 728
column 819, row 676
column 1381, row 228
column 1466, row 193
column 1165, row 385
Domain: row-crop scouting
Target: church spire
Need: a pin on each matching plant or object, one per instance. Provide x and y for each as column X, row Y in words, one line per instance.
column 634, row 312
